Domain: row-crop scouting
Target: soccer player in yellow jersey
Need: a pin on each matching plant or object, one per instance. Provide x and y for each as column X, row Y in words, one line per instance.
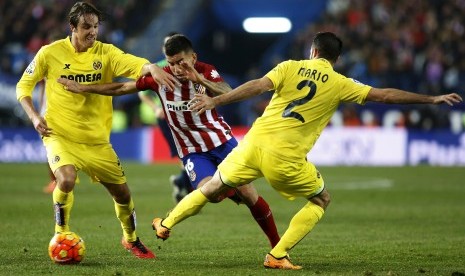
column 76, row 127
column 306, row 94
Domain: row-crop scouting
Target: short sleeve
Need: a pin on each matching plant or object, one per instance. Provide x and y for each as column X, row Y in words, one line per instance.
column 124, row 64
column 146, row 83
column 277, row 74
column 354, row 91
column 34, row 73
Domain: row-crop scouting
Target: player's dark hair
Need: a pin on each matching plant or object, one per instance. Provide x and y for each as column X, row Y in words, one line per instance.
column 171, row 34
column 167, row 36
column 329, row 46
column 176, row 44
column 82, row 8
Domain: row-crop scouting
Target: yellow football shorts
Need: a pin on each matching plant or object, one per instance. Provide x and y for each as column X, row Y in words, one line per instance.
column 99, row 161
column 291, row 179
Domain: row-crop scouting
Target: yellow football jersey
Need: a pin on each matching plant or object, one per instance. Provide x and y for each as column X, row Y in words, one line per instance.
column 83, row 118
column 307, row 93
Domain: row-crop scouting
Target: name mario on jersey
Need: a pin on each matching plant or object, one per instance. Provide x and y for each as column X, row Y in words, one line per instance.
column 313, row 74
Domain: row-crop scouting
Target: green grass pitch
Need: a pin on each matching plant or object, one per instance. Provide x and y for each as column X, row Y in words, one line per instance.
column 381, row 221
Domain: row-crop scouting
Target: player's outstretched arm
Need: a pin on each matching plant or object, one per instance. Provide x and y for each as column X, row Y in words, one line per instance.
column 107, row 89
column 252, row 88
column 397, row 96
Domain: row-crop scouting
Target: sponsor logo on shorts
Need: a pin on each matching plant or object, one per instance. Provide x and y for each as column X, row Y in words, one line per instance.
column 121, row 167
column 189, row 167
column 56, row 159
column 192, row 176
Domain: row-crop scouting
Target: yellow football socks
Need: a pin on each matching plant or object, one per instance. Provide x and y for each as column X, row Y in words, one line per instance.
column 301, row 224
column 62, row 204
column 188, row 206
column 127, row 216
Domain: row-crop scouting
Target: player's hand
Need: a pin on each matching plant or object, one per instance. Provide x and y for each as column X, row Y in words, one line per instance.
column 200, row 103
column 449, row 99
column 70, row 85
column 163, row 78
column 190, row 72
column 41, row 126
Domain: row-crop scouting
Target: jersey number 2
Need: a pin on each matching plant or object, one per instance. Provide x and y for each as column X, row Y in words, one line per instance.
column 287, row 111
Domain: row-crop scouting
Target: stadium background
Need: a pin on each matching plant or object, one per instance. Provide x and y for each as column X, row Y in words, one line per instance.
column 416, row 45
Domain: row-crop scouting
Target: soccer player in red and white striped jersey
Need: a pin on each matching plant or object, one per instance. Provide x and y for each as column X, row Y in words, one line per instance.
column 192, row 133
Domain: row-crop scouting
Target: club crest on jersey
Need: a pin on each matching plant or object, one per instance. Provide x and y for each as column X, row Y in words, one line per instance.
column 97, row 65
column 199, row 89
column 192, row 175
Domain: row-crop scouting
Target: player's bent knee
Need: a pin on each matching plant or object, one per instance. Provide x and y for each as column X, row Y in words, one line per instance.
column 215, row 190
column 322, row 199
column 325, row 198
column 66, row 184
column 218, row 196
column 119, row 192
column 248, row 191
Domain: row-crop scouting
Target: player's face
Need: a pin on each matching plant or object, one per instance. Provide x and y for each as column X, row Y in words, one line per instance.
column 85, row 34
column 175, row 63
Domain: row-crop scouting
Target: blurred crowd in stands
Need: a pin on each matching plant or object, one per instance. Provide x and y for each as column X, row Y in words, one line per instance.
column 26, row 25
column 414, row 45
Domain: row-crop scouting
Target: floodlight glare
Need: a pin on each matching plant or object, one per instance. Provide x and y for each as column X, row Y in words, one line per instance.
column 267, row 25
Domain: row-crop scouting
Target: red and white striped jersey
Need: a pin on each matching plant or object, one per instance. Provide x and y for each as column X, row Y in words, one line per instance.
column 191, row 132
